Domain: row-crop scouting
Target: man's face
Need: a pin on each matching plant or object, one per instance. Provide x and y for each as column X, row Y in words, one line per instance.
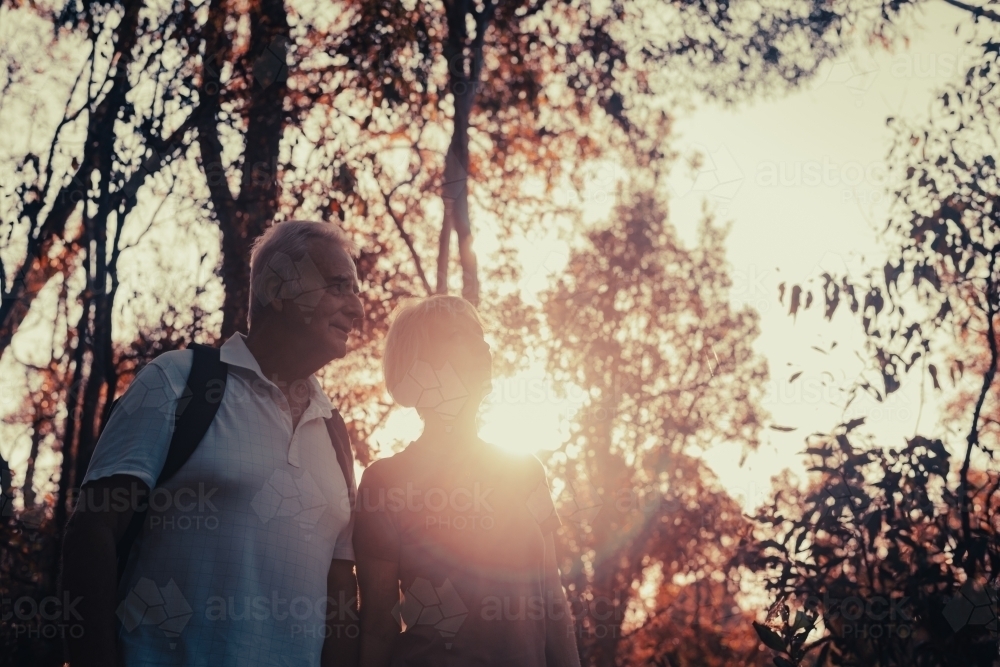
column 321, row 316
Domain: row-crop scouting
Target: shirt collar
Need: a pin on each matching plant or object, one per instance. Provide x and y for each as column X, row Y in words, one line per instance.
column 236, row 353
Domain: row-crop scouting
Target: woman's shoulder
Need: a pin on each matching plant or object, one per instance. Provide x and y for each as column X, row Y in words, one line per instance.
column 385, row 468
column 524, row 464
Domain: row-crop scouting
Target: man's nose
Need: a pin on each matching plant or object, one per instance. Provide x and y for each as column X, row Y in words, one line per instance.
column 355, row 307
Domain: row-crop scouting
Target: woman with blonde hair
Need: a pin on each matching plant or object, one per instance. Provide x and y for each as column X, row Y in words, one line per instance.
column 463, row 529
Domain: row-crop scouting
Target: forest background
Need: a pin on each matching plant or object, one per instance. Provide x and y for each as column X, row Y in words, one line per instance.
column 751, row 333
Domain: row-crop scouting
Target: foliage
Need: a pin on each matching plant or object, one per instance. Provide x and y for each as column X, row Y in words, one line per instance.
column 880, row 525
column 863, row 563
column 646, row 331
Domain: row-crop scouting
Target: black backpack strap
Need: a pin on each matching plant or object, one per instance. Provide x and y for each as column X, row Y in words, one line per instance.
column 196, row 408
column 195, row 411
column 341, row 440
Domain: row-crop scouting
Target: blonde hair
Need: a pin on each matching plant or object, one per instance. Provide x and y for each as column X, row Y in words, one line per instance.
column 409, row 335
column 291, row 238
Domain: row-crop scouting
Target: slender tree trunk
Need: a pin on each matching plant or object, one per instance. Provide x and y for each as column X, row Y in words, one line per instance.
column 67, row 468
column 29, row 467
column 246, row 216
column 971, row 553
column 463, row 82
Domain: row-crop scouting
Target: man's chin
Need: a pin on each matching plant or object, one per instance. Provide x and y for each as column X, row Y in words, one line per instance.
column 336, row 349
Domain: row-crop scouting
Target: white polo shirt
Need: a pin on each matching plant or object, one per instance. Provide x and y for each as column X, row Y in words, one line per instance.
column 231, row 567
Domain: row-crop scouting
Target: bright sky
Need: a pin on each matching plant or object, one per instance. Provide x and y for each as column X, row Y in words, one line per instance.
column 802, row 180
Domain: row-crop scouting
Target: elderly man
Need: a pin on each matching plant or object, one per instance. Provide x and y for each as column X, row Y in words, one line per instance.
column 240, row 547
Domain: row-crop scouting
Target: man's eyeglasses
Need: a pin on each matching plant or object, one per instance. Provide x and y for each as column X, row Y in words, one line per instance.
column 339, row 287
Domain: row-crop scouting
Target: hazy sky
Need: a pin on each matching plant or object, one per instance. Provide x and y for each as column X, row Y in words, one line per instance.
column 803, row 181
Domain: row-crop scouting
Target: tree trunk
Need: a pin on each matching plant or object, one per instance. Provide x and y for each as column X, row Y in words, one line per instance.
column 463, row 82
column 29, row 467
column 246, row 216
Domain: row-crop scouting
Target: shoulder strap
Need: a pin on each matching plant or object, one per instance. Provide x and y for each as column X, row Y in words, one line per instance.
column 195, row 411
column 341, row 440
column 196, row 408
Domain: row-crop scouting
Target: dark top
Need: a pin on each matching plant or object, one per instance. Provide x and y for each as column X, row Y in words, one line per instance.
column 467, row 528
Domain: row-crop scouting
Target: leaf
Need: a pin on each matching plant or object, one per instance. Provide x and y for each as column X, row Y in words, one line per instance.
column 795, row 376
column 891, row 273
column 891, row 382
column 793, row 308
column 853, row 424
column 783, row 429
column 770, row 638
column 932, row 369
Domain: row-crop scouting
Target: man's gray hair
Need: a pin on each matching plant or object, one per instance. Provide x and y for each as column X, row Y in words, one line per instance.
column 281, row 244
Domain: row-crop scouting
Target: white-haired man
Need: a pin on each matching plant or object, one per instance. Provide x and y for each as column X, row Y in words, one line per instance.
column 245, row 557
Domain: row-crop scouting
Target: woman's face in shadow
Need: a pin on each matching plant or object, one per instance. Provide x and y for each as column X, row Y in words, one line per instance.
column 458, row 342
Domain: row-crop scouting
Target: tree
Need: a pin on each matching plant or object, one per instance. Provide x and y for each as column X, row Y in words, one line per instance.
column 906, row 528
column 643, row 326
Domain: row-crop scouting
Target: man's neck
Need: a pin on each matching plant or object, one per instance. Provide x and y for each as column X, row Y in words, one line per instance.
column 277, row 361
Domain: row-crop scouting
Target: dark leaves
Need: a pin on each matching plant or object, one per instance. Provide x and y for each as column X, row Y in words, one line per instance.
column 853, row 424
column 793, row 307
column 770, row 638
